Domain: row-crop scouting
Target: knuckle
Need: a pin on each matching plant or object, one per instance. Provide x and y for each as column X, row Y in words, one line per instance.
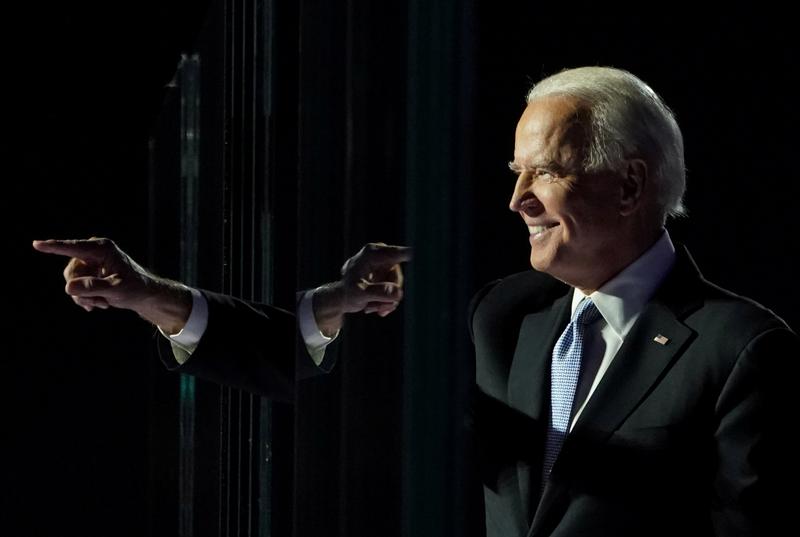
column 105, row 244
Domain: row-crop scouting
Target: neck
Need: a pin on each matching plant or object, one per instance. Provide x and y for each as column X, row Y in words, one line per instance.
column 634, row 249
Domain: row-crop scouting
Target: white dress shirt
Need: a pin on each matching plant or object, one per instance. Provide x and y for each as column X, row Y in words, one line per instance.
column 186, row 341
column 620, row 302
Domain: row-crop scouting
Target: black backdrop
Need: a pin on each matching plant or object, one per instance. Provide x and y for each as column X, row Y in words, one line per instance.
column 405, row 116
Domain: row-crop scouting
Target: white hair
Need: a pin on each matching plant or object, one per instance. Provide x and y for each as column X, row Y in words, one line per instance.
column 626, row 119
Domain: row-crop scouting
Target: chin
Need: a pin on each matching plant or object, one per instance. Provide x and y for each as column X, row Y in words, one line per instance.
column 550, row 261
column 540, row 263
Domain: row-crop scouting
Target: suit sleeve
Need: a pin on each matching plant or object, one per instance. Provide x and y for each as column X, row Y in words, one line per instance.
column 755, row 439
column 249, row 346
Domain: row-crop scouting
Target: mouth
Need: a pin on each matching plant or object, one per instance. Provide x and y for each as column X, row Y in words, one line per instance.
column 538, row 232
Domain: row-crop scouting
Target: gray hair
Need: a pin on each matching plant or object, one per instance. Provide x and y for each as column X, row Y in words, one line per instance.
column 627, row 118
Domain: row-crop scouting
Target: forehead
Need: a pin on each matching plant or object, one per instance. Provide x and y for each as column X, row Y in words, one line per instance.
column 551, row 129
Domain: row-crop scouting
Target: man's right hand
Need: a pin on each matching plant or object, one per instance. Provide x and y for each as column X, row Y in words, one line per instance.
column 100, row 275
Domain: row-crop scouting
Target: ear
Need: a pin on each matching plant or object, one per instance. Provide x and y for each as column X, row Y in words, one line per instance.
column 634, row 181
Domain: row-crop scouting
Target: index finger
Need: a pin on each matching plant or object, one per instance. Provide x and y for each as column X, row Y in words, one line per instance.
column 381, row 255
column 86, row 249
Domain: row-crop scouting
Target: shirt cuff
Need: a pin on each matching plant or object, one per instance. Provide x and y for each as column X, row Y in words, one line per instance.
column 186, row 340
column 314, row 339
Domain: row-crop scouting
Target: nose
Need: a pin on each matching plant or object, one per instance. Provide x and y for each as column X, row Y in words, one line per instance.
column 523, row 199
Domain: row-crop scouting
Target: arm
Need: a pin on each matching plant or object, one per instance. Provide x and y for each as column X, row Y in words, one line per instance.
column 234, row 348
column 100, row 275
column 245, row 345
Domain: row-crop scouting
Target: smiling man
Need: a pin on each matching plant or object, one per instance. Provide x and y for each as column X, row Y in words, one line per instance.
column 618, row 392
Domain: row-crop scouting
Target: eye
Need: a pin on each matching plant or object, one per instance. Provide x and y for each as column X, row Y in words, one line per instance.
column 545, row 175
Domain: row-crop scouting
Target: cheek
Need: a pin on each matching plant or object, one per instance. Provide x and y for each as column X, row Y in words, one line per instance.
column 578, row 226
column 553, row 201
column 594, row 228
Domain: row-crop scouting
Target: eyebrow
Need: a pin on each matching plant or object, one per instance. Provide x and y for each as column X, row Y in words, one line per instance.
column 550, row 165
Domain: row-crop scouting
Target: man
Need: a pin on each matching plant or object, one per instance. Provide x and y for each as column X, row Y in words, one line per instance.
column 618, row 392
column 222, row 338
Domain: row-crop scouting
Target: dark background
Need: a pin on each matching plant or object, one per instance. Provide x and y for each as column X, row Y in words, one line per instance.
column 405, row 121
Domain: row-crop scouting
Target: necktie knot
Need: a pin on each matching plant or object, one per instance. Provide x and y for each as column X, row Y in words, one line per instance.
column 585, row 313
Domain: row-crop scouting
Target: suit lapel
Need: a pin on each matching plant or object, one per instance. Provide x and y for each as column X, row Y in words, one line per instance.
column 637, row 367
column 529, row 379
column 656, row 340
column 529, row 386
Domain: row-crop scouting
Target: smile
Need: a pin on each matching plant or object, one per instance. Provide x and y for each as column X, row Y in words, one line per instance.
column 538, row 231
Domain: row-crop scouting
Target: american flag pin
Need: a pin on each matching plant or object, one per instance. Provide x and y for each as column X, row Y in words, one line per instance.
column 661, row 340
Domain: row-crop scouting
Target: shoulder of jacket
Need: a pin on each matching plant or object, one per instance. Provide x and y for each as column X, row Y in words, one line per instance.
column 513, row 297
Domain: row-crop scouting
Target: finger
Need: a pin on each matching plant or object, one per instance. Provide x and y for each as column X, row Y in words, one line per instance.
column 393, row 275
column 388, row 306
column 77, row 268
column 378, row 255
column 89, row 303
column 386, row 309
column 380, row 292
column 90, row 286
column 85, row 249
column 381, row 308
column 79, row 302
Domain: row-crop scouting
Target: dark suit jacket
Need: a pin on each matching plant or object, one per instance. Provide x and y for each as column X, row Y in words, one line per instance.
column 249, row 346
column 694, row 437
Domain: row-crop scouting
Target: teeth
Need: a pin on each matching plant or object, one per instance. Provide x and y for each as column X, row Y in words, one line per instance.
column 535, row 230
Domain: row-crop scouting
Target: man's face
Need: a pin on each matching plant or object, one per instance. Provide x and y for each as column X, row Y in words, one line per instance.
column 573, row 217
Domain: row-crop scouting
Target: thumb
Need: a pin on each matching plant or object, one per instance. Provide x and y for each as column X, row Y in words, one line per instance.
column 385, row 292
column 91, row 286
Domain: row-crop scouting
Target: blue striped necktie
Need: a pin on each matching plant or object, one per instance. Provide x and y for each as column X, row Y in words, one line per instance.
column 564, row 372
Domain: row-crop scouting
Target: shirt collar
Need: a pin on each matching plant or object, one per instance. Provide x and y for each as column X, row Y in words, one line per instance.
column 622, row 298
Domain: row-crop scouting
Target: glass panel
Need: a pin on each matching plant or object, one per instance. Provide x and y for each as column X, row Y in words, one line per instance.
column 189, row 83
